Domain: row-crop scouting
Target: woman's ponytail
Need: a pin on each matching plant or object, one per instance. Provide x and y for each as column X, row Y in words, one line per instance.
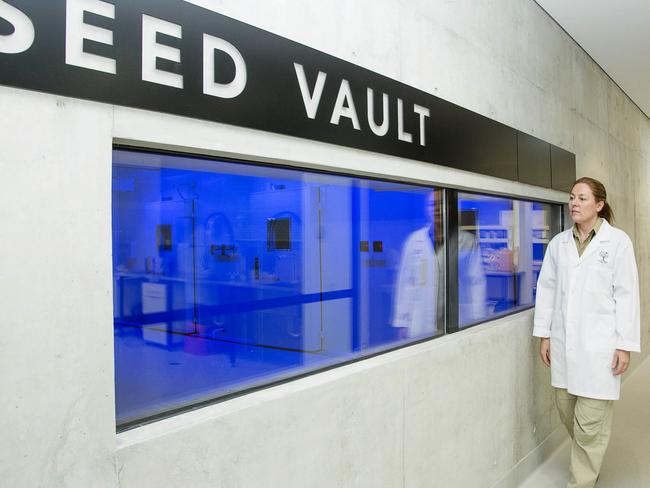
column 607, row 213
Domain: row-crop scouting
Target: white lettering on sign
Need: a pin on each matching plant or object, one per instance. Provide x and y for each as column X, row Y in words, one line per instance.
column 379, row 130
column 77, row 31
column 423, row 112
column 344, row 106
column 231, row 89
column 151, row 50
column 402, row 135
column 310, row 100
column 22, row 38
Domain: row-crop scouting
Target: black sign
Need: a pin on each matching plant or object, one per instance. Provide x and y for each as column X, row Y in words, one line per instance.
column 178, row 58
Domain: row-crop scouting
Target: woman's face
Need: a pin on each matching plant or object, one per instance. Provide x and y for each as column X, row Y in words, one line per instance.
column 583, row 205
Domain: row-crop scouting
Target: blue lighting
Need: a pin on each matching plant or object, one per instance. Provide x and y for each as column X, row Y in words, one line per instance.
column 231, row 275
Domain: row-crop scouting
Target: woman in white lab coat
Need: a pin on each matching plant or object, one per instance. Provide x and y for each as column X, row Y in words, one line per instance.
column 587, row 316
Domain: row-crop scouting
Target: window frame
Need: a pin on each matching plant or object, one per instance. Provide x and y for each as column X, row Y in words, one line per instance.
column 450, row 239
column 452, row 258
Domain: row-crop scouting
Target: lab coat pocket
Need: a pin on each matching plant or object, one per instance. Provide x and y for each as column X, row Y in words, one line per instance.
column 599, row 332
column 600, row 279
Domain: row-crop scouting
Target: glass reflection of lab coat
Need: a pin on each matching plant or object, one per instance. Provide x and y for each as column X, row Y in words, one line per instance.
column 472, row 284
column 415, row 304
column 419, row 292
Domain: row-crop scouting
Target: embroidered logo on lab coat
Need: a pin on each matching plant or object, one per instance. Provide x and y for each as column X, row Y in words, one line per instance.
column 604, row 256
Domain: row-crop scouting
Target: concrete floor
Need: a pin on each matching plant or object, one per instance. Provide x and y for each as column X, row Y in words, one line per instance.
column 627, row 462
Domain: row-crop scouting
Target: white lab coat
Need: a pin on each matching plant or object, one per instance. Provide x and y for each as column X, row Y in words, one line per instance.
column 416, row 291
column 417, row 285
column 589, row 307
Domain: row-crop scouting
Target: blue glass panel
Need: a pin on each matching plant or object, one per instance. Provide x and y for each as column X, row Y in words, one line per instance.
column 510, row 236
column 229, row 276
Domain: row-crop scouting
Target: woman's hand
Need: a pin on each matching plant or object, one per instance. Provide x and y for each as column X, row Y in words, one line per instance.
column 620, row 362
column 545, row 350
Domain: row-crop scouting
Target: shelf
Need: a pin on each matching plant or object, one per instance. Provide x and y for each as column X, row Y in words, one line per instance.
column 484, row 227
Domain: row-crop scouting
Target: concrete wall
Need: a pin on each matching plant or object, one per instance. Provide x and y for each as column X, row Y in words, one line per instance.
column 472, row 409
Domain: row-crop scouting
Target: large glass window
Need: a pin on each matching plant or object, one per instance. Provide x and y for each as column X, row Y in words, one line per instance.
column 228, row 276
column 501, row 244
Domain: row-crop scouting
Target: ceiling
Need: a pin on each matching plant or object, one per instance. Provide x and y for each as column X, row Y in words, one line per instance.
column 616, row 34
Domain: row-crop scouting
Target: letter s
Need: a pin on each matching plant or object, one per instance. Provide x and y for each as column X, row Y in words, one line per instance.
column 23, row 36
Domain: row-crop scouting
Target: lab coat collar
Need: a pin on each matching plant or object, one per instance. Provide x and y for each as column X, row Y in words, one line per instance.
column 603, row 236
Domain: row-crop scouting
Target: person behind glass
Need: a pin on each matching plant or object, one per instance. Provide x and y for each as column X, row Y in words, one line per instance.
column 419, row 304
column 587, row 316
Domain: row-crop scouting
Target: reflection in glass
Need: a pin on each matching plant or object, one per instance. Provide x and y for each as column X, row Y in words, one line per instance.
column 511, row 237
column 228, row 275
column 419, row 307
